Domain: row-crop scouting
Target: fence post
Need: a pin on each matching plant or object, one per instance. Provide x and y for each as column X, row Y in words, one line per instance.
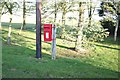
column 53, row 42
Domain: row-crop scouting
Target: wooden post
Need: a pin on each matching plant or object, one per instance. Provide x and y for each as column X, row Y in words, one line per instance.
column 38, row 29
column 53, row 42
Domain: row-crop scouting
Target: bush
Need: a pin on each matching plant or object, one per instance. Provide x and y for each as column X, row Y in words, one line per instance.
column 95, row 32
column 70, row 32
column 109, row 24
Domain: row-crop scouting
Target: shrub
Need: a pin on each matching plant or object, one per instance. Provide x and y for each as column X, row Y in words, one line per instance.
column 95, row 32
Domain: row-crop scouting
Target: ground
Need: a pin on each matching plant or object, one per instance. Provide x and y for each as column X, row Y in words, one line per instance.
column 18, row 59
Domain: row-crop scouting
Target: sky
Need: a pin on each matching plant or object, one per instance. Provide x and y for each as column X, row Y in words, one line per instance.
column 67, row 0
column 56, row 0
column 32, row 17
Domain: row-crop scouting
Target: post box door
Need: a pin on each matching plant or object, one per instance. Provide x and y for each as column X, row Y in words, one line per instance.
column 47, row 32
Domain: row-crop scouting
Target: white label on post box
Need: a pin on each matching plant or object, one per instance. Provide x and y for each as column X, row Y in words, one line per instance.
column 47, row 35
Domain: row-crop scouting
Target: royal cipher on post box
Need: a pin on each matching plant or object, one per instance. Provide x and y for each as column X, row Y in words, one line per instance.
column 47, row 32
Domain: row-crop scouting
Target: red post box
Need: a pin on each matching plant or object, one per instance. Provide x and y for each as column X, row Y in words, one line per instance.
column 47, row 32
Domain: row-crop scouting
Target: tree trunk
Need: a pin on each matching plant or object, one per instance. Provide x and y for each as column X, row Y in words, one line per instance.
column 38, row 29
column 63, row 26
column 9, row 30
column 116, row 29
column 0, row 23
column 24, row 14
column 55, row 12
column 63, row 18
column 0, row 15
column 24, row 18
column 78, row 45
column 90, row 13
column 90, row 16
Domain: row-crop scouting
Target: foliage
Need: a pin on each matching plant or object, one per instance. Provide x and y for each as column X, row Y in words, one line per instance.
column 70, row 32
column 107, row 8
column 108, row 21
column 10, row 7
column 97, row 64
column 30, row 8
column 95, row 32
column 1, row 6
column 109, row 11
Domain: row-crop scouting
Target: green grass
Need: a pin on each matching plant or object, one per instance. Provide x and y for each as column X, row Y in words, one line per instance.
column 19, row 59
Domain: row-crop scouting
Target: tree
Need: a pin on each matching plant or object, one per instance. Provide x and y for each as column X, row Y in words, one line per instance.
column 78, row 46
column 117, row 5
column 91, row 9
column 55, row 12
column 28, row 8
column 1, row 8
column 24, row 13
column 53, row 8
column 24, row 17
column 111, row 9
column 64, row 7
column 87, row 32
column 10, row 5
column 38, row 28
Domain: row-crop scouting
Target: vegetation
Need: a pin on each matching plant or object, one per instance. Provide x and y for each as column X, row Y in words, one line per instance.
column 111, row 12
column 85, row 47
column 19, row 59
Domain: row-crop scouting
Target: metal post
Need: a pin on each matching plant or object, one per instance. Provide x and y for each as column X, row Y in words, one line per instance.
column 38, row 29
column 53, row 42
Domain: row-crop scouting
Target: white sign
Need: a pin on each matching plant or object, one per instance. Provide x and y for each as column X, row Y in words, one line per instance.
column 47, row 35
